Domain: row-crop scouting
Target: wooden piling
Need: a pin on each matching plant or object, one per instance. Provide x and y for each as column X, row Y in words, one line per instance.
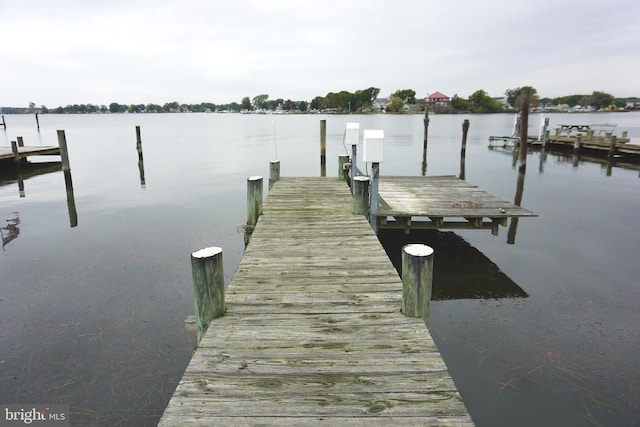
column 64, row 154
column 14, row 149
column 426, row 140
column 374, row 196
column 274, row 172
column 524, row 127
column 463, row 148
column 37, row 121
column 417, row 277
column 254, row 205
column 20, row 141
column 4, row 124
column 343, row 167
column 140, row 157
column 323, row 148
column 361, row 195
column 612, row 147
column 208, row 286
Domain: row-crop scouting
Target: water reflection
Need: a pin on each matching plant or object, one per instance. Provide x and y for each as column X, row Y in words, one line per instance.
column 575, row 159
column 460, row 270
column 20, row 172
column 10, row 231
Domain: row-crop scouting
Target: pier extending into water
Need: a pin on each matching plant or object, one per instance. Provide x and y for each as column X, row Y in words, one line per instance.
column 313, row 331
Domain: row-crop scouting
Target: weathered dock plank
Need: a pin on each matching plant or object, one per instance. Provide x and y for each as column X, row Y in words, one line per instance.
column 313, row 332
column 442, row 197
column 6, row 153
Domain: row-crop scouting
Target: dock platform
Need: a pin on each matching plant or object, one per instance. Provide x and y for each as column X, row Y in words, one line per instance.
column 313, row 332
column 441, row 202
column 6, row 152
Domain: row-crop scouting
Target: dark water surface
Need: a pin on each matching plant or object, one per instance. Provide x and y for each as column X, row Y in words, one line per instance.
column 541, row 332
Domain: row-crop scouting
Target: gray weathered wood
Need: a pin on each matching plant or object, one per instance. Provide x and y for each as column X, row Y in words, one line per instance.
column 208, row 287
column 254, row 199
column 64, row 154
column 323, row 148
column 274, row 172
column 343, row 173
column 361, row 195
column 417, row 277
column 312, row 332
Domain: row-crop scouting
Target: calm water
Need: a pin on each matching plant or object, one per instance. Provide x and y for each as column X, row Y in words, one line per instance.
column 542, row 332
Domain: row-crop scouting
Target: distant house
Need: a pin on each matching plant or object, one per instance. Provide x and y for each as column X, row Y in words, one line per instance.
column 380, row 104
column 438, row 99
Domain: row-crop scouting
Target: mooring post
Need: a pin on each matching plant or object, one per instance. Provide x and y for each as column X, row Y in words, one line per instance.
column 20, row 141
column 426, row 138
column 463, row 149
column 612, row 146
column 323, row 148
column 545, row 132
column 417, row 277
column 274, row 172
column 4, row 124
column 140, row 157
column 576, row 150
column 254, row 205
column 64, row 154
column 351, row 137
column 372, row 152
column 37, row 121
column 208, row 286
column 361, row 195
column 343, row 167
column 16, row 153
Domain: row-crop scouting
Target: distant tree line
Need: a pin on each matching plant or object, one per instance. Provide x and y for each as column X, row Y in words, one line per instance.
column 360, row 101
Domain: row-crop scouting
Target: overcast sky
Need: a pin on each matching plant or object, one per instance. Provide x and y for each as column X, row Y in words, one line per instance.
column 63, row 52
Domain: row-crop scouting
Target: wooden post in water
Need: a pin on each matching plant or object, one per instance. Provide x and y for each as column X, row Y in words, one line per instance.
column 343, row 167
column 417, row 277
column 323, row 148
column 20, row 141
column 254, row 205
column 576, row 150
column 208, row 287
column 463, row 149
column 274, row 172
column 426, row 139
column 66, row 169
column 545, row 132
column 524, row 128
column 64, row 154
column 37, row 121
column 4, row 124
column 361, row 195
column 140, row 157
column 612, row 146
column 16, row 153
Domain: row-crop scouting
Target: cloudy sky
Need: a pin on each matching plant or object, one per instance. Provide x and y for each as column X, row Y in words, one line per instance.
column 128, row 51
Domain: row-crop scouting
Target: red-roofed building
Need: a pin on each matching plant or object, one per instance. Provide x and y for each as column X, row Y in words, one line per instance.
column 438, row 99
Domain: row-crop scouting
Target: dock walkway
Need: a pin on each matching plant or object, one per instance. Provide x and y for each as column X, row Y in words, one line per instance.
column 313, row 331
column 7, row 153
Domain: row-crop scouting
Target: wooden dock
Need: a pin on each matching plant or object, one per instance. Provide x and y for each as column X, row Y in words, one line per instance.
column 441, row 202
column 313, row 332
column 6, row 153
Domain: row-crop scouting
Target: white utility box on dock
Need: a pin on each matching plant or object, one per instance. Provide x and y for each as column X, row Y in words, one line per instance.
column 372, row 146
column 352, row 134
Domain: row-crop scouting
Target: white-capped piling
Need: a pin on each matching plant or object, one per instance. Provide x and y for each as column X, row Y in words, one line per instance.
column 208, row 286
column 274, row 172
column 361, row 195
column 417, row 277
